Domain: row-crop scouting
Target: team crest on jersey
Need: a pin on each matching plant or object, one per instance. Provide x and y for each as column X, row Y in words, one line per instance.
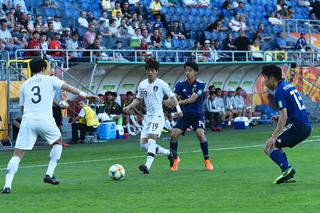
column 155, row 88
column 184, row 90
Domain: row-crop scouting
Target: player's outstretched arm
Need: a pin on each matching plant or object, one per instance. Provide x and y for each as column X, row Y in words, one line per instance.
column 134, row 103
column 76, row 91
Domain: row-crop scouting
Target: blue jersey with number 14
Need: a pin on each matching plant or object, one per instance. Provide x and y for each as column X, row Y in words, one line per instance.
column 287, row 96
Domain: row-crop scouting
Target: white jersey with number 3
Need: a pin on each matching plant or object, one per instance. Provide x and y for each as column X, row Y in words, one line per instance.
column 36, row 96
column 153, row 94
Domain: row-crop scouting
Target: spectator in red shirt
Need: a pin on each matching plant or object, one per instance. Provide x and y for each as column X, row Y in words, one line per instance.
column 34, row 43
column 55, row 44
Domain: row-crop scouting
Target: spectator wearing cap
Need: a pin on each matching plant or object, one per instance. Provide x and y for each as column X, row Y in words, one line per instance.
column 174, row 31
column 206, row 56
column 57, row 26
column 34, row 43
column 82, row 21
column 55, row 44
column 89, row 36
column 73, row 44
column 301, row 43
column 91, row 18
column 156, row 40
column 20, row 3
column 116, row 10
column 66, row 35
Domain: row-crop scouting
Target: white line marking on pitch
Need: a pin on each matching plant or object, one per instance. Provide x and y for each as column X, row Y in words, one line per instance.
column 143, row 156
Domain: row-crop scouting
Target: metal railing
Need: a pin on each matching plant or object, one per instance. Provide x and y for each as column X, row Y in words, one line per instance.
column 134, row 55
column 295, row 25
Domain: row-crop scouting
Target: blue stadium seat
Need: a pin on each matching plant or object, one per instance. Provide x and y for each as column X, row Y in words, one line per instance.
column 176, row 43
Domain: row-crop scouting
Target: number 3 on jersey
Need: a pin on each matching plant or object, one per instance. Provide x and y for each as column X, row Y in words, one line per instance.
column 36, row 93
column 298, row 99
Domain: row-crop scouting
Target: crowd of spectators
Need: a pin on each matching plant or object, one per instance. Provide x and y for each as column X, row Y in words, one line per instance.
column 131, row 25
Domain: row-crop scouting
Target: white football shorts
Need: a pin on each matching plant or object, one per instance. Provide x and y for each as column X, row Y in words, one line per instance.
column 30, row 129
column 153, row 125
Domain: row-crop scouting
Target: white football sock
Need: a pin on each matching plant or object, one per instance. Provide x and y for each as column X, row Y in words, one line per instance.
column 129, row 129
column 55, row 155
column 162, row 151
column 151, row 152
column 167, row 125
column 12, row 168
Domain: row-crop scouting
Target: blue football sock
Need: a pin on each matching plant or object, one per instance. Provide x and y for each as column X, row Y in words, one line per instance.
column 174, row 146
column 205, row 150
column 285, row 157
column 277, row 156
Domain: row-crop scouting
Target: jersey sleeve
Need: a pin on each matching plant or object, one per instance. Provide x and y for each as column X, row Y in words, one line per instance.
column 57, row 83
column 140, row 92
column 281, row 99
column 177, row 88
column 166, row 90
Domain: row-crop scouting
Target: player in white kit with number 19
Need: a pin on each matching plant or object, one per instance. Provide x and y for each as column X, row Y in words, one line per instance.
column 152, row 90
column 36, row 98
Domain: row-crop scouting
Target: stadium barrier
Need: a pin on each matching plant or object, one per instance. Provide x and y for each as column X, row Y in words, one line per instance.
column 134, row 55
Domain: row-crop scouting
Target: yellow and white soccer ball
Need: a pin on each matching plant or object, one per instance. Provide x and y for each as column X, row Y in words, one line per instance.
column 116, row 172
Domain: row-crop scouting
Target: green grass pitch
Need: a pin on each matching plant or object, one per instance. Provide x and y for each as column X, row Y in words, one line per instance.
column 241, row 182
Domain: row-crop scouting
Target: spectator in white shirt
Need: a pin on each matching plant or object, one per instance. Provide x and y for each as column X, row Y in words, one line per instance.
column 73, row 44
column 275, row 19
column 22, row 3
column 82, row 21
column 235, row 24
column 57, row 26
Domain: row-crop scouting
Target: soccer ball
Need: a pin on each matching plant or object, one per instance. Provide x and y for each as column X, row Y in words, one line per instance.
column 116, row 172
column 64, row 104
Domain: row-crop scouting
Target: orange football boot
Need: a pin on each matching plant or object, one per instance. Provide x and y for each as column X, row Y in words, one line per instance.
column 174, row 167
column 208, row 165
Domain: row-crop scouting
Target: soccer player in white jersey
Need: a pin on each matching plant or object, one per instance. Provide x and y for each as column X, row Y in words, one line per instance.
column 152, row 91
column 36, row 99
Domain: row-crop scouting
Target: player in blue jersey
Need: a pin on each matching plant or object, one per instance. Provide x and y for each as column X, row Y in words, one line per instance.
column 293, row 124
column 190, row 93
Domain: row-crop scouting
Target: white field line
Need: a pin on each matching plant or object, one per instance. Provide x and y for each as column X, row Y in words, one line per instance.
column 143, row 156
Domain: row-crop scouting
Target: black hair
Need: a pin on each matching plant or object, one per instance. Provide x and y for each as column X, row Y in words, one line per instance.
column 114, row 94
column 37, row 65
column 129, row 93
column 218, row 90
column 152, row 63
column 238, row 88
column 193, row 65
column 108, row 93
column 211, row 87
column 272, row 70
